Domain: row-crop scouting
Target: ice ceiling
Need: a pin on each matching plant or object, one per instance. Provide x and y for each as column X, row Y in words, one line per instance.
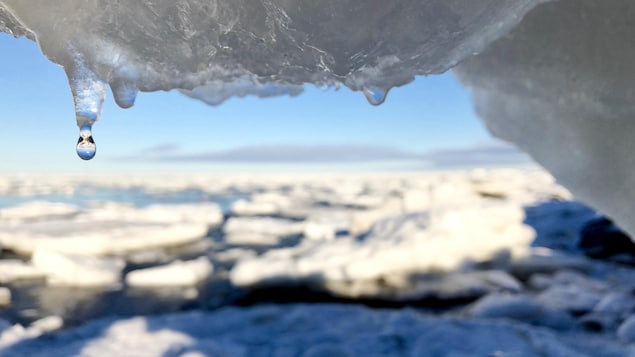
column 554, row 77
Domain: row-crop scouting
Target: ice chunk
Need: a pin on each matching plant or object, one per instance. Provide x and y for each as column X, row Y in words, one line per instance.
column 561, row 86
column 260, row 47
column 13, row 269
column 522, row 308
column 78, row 270
column 205, row 213
column 179, row 273
column 98, row 237
column 394, row 250
column 246, row 208
column 37, row 210
column 263, row 225
column 5, row 296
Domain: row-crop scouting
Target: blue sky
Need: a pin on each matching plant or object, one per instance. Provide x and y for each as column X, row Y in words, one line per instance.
column 167, row 131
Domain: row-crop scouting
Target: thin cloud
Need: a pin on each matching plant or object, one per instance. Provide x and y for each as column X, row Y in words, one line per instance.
column 298, row 154
column 162, row 149
column 494, row 153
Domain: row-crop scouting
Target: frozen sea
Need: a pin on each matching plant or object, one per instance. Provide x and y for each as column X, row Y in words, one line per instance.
column 383, row 264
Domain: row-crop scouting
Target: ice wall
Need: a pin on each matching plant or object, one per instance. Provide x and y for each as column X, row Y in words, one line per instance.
column 562, row 86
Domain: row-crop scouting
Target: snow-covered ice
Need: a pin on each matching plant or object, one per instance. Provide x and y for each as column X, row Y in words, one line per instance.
column 5, row 296
column 66, row 269
column 305, row 330
column 12, row 270
column 560, row 86
column 460, row 241
column 203, row 213
column 37, row 210
column 393, row 250
column 178, row 273
column 101, row 229
column 95, row 237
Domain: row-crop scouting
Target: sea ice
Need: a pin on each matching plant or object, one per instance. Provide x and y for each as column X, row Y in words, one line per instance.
column 37, row 210
column 262, row 226
column 561, row 86
column 393, row 250
column 12, row 270
column 205, row 213
column 5, row 296
column 98, row 237
column 178, row 273
column 246, row 208
column 306, row 330
column 66, row 269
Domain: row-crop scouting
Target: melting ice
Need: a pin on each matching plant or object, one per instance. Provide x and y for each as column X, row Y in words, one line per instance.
column 209, row 49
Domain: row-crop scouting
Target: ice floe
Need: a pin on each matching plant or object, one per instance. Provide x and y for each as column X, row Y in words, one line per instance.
column 399, row 246
column 67, row 269
column 178, row 273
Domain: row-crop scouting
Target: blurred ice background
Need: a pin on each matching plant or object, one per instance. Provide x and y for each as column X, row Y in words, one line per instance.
column 496, row 251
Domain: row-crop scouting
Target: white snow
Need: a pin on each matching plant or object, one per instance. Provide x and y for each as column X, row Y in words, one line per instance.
column 178, row 273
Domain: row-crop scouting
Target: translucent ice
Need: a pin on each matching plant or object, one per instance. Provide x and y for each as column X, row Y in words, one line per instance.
column 216, row 49
column 561, row 86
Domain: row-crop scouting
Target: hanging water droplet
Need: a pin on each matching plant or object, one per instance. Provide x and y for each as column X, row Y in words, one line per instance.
column 86, row 147
column 124, row 91
column 375, row 95
column 89, row 93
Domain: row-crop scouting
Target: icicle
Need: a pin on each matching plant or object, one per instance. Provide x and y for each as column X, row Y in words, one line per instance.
column 89, row 93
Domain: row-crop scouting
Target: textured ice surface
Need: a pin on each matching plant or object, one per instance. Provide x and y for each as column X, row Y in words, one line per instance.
column 561, row 86
column 305, row 330
column 223, row 48
column 395, row 249
column 178, row 273
column 67, row 269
